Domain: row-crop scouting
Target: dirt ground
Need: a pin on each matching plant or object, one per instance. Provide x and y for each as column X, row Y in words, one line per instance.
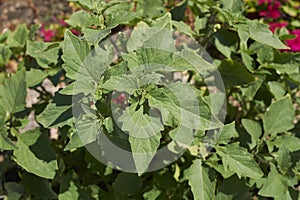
column 14, row 12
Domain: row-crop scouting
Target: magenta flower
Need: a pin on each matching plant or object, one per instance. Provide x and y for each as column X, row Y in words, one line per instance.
column 260, row 2
column 120, row 99
column 75, row 32
column 294, row 44
column 272, row 12
column 47, row 34
column 62, row 22
column 274, row 25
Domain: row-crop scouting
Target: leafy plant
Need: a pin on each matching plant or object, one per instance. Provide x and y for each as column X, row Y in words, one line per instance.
column 117, row 89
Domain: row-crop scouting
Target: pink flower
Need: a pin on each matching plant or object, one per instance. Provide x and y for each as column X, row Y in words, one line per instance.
column 75, row 32
column 47, row 34
column 260, row 2
column 294, row 44
column 275, row 25
column 272, row 12
column 62, row 22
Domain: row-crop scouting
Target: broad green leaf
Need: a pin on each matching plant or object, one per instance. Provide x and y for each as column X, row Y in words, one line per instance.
column 126, row 83
column 284, row 63
column 215, row 163
column 151, row 9
column 279, row 116
column 234, row 73
column 234, row 6
column 56, row 115
column 37, row 186
column 284, row 158
column 151, row 37
column 290, row 142
column 239, row 160
column 254, row 129
column 163, row 22
column 88, row 130
column 185, row 105
column 94, row 36
column 120, row 17
column 45, row 54
column 18, row 38
column 144, row 135
column 82, row 19
column 36, row 76
column 202, row 181
column 35, row 154
column 183, row 28
column 276, row 89
column 275, row 186
column 127, row 183
column 75, row 52
column 13, row 93
column 228, row 132
column 5, row 54
column 75, row 142
column 139, row 124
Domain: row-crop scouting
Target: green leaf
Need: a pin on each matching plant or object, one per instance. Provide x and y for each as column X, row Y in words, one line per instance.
column 35, row 154
column 184, row 108
column 5, row 54
column 74, row 143
column 14, row 190
column 183, row 28
column 39, row 187
column 254, row 129
column 259, row 32
column 279, row 116
column 127, row 183
column 276, row 89
column 290, row 142
column 202, row 181
column 56, row 115
column 275, row 186
column 46, row 54
column 234, row 6
column 94, row 36
column 69, row 187
column 81, row 19
column 239, row 160
column 234, row 73
column 36, row 76
column 233, row 188
column 151, row 9
column 13, row 93
column 251, row 89
column 226, row 42
column 5, row 142
column 144, row 135
column 228, row 132
column 75, row 52
column 18, row 37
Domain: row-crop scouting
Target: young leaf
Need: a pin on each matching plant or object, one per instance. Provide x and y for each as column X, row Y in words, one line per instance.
column 279, row 116
column 18, row 38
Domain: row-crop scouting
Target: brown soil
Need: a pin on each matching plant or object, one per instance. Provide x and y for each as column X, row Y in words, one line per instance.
column 15, row 12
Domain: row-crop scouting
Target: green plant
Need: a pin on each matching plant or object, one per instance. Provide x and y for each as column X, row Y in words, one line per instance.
column 130, row 100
